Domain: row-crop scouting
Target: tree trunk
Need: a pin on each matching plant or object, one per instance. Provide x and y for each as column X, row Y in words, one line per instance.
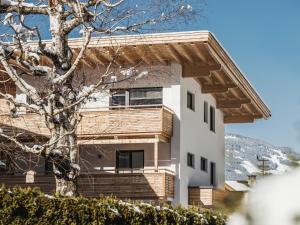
column 66, row 187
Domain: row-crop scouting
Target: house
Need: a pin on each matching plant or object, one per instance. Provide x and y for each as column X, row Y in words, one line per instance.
column 161, row 136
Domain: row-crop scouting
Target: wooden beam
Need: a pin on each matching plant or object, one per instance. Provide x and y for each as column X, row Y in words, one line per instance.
column 156, row 54
column 225, row 104
column 173, row 52
column 117, row 141
column 142, row 53
column 241, row 118
column 127, row 57
column 85, row 60
column 199, row 71
column 211, row 89
column 95, row 53
column 184, row 51
column 199, row 53
column 114, row 55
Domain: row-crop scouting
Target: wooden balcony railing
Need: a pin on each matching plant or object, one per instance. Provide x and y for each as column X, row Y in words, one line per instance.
column 146, row 185
column 105, row 122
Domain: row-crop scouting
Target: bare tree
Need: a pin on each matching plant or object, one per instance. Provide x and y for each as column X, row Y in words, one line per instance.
column 22, row 49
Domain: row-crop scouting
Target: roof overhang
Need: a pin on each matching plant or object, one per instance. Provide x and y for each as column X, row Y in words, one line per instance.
column 202, row 58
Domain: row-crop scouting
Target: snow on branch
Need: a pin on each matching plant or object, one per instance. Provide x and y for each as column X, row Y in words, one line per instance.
column 9, row 6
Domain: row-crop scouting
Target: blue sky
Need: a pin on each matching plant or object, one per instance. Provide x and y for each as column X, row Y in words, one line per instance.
column 263, row 37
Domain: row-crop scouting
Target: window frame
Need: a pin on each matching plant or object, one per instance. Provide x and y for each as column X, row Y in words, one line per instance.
column 130, row 159
column 205, row 112
column 190, row 101
column 192, row 160
column 158, row 89
column 212, row 116
column 128, row 99
column 213, row 174
column 204, row 161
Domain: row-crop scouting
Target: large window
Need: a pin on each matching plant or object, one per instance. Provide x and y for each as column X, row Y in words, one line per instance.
column 146, row 96
column 191, row 160
column 130, row 159
column 205, row 112
column 136, row 96
column 191, row 101
column 203, row 164
column 212, row 119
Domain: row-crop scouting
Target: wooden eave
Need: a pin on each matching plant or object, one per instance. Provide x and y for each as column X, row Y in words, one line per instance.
column 202, row 57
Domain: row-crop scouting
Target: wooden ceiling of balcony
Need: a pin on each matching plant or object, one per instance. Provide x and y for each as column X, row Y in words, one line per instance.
column 202, row 58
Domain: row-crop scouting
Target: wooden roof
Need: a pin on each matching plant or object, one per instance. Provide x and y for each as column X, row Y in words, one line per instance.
column 202, row 57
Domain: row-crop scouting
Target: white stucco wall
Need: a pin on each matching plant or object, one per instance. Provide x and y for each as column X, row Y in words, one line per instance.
column 196, row 138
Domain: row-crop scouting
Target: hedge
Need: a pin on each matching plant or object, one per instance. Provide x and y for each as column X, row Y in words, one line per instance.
column 30, row 206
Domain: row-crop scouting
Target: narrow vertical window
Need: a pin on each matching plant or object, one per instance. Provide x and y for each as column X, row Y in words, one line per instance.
column 212, row 174
column 212, row 119
column 205, row 112
column 203, row 164
column 191, row 160
column 191, row 101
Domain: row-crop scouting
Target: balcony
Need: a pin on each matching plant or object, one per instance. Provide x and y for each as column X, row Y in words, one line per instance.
column 105, row 125
column 156, row 185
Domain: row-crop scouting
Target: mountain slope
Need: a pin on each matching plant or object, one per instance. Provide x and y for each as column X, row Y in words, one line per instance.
column 241, row 157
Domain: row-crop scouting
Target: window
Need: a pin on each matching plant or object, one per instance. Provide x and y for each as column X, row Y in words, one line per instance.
column 29, row 100
column 203, row 164
column 136, row 96
column 212, row 119
column 212, row 174
column 130, row 159
column 146, row 96
column 191, row 160
column 118, row 98
column 191, row 101
column 205, row 112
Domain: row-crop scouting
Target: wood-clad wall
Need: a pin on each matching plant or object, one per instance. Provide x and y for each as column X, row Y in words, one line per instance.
column 146, row 186
column 129, row 122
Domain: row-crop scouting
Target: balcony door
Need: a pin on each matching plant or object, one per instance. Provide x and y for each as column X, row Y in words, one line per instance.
column 130, row 160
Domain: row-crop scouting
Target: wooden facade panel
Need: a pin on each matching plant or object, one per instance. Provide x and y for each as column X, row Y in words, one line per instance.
column 124, row 122
column 150, row 186
column 206, row 197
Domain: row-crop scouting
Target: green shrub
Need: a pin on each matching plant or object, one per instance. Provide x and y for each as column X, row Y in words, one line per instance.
column 30, row 206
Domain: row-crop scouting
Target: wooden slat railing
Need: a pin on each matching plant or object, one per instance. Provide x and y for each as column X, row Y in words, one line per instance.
column 110, row 121
column 157, row 186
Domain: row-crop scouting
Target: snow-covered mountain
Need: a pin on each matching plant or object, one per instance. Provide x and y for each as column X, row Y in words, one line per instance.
column 241, row 157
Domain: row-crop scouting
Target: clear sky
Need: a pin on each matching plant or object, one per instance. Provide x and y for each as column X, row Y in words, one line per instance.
column 263, row 37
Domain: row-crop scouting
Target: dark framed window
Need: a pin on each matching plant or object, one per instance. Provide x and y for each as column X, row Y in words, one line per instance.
column 212, row 174
column 191, row 101
column 205, row 112
column 136, row 96
column 203, row 164
column 29, row 100
column 191, row 160
column 145, row 96
column 212, row 119
column 118, row 97
column 130, row 159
